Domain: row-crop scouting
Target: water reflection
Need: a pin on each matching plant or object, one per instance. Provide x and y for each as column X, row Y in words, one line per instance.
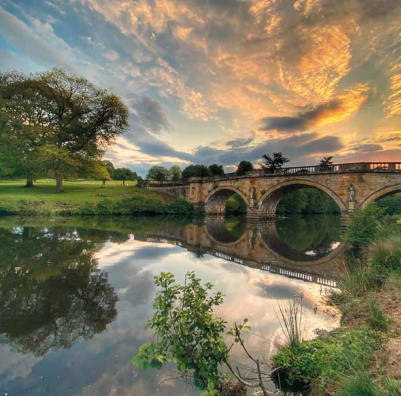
column 51, row 292
column 75, row 293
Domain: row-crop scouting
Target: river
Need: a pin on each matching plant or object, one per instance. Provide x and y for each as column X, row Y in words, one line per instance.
column 75, row 293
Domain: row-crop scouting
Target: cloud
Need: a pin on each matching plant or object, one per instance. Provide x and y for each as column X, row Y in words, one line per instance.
column 339, row 109
column 37, row 42
column 150, row 114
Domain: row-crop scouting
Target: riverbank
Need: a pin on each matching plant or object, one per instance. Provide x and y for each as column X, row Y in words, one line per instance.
column 362, row 356
column 85, row 198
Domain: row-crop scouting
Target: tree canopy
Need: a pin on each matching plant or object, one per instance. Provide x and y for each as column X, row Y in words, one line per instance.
column 158, row 173
column 274, row 163
column 216, row 170
column 124, row 174
column 244, row 166
column 57, row 124
column 175, row 173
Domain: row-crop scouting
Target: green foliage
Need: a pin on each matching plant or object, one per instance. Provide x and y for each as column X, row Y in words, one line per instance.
column 327, row 358
column 216, row 170
column 235, row 205
column 326, row 164
column 56, row 124
column 363, row 385
column 175, row 173
column 186, row 331
column 243, row 167
column 356, row 280
column 134, row 206
column 158, row 173
column 322, row 231
column 195, row 171
column 376, row 319
column 363, row 226
column 124, row 174
column 384, row 256
column 307, row 201
column 390, row 205
column 275, row 163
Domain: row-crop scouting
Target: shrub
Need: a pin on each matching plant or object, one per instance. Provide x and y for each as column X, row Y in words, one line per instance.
column 187, row 332
column 327, row 358
column 134, row 206
column 363, row 226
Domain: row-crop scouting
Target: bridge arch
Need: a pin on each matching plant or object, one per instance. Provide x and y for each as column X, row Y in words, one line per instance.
column 269, row 201
column 382, row 193
column 215, row 202
column 218, row 233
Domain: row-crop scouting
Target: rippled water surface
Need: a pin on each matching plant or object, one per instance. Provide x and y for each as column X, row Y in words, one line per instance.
column 75, row 294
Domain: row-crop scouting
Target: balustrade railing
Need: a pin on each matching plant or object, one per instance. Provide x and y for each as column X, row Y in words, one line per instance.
column 358, row 167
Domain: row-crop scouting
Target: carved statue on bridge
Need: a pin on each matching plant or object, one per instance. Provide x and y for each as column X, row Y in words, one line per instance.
column 351, row 193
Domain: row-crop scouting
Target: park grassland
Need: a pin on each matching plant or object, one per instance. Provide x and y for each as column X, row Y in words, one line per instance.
column 83, row 197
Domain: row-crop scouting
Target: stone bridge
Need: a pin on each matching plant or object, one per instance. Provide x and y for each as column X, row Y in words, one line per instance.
column 350, row 185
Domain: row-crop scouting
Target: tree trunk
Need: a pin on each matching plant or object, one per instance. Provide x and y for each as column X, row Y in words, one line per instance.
column 104, row 183
column 123, row 182
column 29, row 183
column 60, row 186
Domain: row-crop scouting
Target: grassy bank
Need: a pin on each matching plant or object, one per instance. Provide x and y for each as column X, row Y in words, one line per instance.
column 85, row 198
column 363, row 356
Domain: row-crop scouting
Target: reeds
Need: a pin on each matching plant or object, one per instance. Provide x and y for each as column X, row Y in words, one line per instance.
column 291, row 319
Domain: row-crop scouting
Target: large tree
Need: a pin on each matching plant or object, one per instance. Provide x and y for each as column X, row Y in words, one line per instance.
column 65, row 120
column 275, row 163
column 175, row 173
column 158, row 173
column 124, row 174
column 216, row 170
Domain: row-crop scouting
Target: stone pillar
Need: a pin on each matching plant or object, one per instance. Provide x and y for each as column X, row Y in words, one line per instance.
column 199, row 209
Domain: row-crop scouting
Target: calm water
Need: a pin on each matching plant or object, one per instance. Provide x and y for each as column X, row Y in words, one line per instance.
column 75, row 294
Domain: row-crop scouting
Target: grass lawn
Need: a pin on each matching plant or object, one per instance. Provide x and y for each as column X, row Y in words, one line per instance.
column 75, row 193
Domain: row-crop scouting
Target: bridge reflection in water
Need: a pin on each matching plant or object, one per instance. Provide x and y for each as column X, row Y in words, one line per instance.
column 304, row 248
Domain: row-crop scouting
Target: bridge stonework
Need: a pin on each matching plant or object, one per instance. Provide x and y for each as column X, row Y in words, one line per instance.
column 262, row 192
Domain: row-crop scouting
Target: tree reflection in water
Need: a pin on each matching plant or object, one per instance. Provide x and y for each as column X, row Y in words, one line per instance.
column 51, row 292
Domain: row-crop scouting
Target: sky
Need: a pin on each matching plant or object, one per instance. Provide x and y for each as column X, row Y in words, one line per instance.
column 220, row 81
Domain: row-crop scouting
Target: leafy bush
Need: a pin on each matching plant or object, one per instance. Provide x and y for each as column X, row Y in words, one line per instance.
column 134, row 206
column 187, row 332
column 363, row 226
column 327, row 358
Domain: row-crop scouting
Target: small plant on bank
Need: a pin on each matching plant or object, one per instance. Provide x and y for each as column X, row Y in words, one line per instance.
column 363, row 385
column 291, row 321
column 190, row 336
